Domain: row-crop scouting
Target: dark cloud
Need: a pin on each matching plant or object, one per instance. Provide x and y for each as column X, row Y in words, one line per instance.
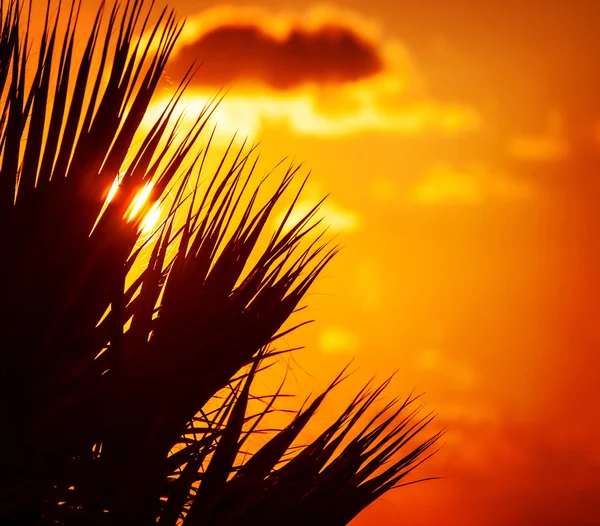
column 235, row 53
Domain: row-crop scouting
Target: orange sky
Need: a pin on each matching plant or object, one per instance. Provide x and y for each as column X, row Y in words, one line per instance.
column 460, row 143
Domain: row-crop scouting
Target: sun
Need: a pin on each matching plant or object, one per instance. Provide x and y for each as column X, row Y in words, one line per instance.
column 151, row 219
column 139, row 200
column 137, row 204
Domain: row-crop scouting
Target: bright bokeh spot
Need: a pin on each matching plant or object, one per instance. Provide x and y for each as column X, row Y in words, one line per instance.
column 338, row 340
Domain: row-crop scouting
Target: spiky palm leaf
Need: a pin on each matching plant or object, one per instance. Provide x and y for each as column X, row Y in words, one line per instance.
column 103, row 381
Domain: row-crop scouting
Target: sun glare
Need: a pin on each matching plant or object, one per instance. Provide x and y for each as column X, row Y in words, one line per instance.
column 139, row 200
column 152, row 216
column 113, row 189
column 151, row 219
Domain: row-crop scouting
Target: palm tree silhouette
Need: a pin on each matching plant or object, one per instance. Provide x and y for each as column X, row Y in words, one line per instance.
column 105, row 379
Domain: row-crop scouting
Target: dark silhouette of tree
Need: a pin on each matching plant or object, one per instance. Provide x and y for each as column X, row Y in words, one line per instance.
column 103, row 382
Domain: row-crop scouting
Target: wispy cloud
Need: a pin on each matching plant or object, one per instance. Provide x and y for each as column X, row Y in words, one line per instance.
column 334, row 216
column 449, row 185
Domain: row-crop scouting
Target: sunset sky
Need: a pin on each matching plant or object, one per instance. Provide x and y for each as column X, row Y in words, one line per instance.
column 459, row 141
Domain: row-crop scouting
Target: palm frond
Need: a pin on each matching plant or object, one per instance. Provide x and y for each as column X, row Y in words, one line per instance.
column 126, row 391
